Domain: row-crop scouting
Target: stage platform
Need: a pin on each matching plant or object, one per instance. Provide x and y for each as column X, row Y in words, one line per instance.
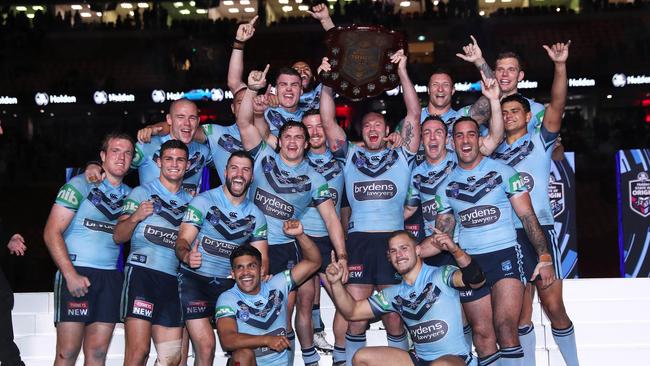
column 610, row 317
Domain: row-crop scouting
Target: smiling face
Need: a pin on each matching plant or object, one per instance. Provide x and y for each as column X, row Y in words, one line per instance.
column 183, row 119
column 173, row 164
column 403, row 253
column 117, row 157
column 306, row 75
column 292, row 143
column 515, row 117
column 434, row 139
column 374, row 130
column 441, row 89
column 508, row 73
column 466, row 143
column 288, row 88
column 239, row 175
column 316, row 133
column 246, row 270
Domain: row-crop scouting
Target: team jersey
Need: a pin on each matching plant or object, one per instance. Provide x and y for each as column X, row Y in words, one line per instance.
column 430, row 309
column 376, row 184
column 284, row 192
column 223, row 227
column 89, row 236
column 424, row 182
column 537, row 114
column 479, row 199
column 154, row 238
column 264, row 313
column 331, row 169
column 530, row 155
column 276, row 117
column 146, row 155
column 223, row 141
column 311, row 99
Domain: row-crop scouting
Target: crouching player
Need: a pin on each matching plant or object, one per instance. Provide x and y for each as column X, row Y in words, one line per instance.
column 427, row 300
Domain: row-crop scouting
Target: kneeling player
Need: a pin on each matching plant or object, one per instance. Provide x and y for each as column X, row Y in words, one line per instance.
column 150, row 219
column 252, row 316
column 427, row 300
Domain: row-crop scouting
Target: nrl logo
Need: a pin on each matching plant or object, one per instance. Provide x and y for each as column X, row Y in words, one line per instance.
column 640, row 194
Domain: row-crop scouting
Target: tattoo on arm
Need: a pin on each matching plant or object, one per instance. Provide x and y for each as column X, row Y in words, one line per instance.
column 534, row 232
column 446, row 224
column 407, row 134
column 480, row 110
column 487, row 71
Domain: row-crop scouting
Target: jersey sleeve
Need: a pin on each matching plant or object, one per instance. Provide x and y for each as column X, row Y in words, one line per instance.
column 138, row 155
column 512, row 183
column 260, row 231
column 195, row 212
column 261, row 150
column 379, row 304
column 283, row 281
column 133, row 200
column 547, row 138
column 342, row 152
column 413, row 193
column 442, row 201
column 537, row 110
column 320, row 191
column 409, row 156
column 446, row 277
column 73, row 193
column 226, row 306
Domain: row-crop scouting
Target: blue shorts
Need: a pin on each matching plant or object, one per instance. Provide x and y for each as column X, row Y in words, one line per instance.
column 530, row 255
column 325, row 247
column 199, row 294
column 469, row 359
column 504, row 263
column 283, row 256
column 368, row 259
column 151, row 295
column 100, row 304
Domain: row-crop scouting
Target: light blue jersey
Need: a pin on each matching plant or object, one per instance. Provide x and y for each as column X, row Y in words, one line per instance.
column 264, row 313
column 146, row 155
column 425, row 180
column 430, row 309
column 479, row 199
column 89, row 237
column 530, row 155
column 284, row 192
column 332, row 170
column 276, row 117
column 223, row 141
column 376, row 184
column 537, row 114
column 154, row 238
column 222, row 228
column 311, row 99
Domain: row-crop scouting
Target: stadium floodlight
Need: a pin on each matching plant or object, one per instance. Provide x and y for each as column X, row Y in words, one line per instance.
column 405, row 4
column 21, row 8
column 201, row 11
column 126, row 5
column 178, row 4
column 184, row 12
column 228, row 2
column 303, row 7
column 233, row 10
column 249, row 10
column 143, row 5
column 85, row 14
column 76, row 7
column 244, row 2
column 283, row 1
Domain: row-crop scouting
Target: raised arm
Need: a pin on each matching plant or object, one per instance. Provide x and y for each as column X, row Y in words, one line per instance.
column 250, row 135
column 311, row 259
column 489, row 143
column 558, row 53
column 335, row 135
column 411, row 128
column 350, row 308
column 321, row 13
column 480, row 111
column 236, row 64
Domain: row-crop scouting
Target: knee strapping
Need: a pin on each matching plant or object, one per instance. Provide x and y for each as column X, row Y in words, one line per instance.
column 169, row 353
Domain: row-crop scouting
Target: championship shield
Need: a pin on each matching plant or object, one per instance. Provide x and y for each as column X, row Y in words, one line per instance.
column 360, row 60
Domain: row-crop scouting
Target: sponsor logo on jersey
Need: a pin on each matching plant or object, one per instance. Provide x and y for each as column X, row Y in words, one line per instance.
column 196, row 307
column 335, row 195
column 428, row 332
column 272, row 205
column 217, row 247
column 430, row 210
column 640, row 194
column 130, row 206
column 479, row 216
column 374, row 190
column 516, row 184
column 193, row 216
column 143, row 308
column 223, row 311
column 413, row 228
column 77, row 308
column 556, row 196
column 69, row 196
column 99, row 226
column 355, row 270
column 527, row 180
column 161, row 236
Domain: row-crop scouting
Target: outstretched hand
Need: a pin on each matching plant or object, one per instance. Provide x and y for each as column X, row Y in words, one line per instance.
column 335, row 270
column 257, row 79
column 319, row 12
column 471, row 52
column 558, row 52
column 246, row 30
column 400, row 59
column 490, row 87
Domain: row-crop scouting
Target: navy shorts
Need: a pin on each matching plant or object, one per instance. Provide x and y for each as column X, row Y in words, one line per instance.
column 497, row 265
column 100, row 304
column 325, row 247
column 469, row 360
column 368, row 259
column 199, row 293
column 530, row 255
column 151, row 295
column 283, row 256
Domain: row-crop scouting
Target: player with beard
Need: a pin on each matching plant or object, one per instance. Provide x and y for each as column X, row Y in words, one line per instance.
column 427, row 300
column 252, row 316
column 78, row 235
column 285, row 185
column 376, row 183
column 529, row 152
column 150, row 219
column 482, row 193
column 219, row 221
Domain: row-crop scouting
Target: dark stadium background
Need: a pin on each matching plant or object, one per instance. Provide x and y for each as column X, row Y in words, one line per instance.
column 160, row 48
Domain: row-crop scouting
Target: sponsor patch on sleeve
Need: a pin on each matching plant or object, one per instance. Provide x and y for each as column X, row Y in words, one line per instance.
column 193, row 216
column 69, row 197
column 261, row 232
column 380, row 299
column 224, row 311
column 138, row 156
column 130, row 206
column 516, row 184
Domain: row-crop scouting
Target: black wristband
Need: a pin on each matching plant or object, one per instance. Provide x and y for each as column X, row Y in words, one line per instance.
column 472, row 274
